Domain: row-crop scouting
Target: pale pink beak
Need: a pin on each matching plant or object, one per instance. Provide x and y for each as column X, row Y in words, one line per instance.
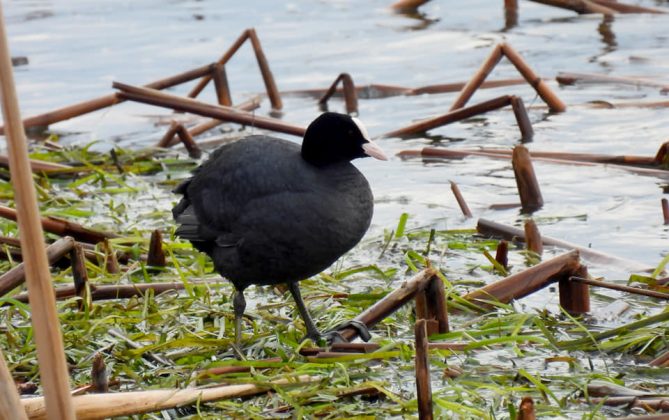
column 373, row 150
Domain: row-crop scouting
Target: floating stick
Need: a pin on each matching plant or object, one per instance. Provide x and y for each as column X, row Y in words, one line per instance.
column 526, row 409
column 158, row 98
column 622, row 288
column 522, row 119
column 478, row 78
column 80, row 276
column 99, row 378
column 350, row 96
column 44, row 316
column 526, row 282
column 665, row 210
column 502, row 254
column 526, row 180
column 569, row 78
column 156, row 255
column 450, row 117
column 578, row 6
column 461, row 200
column 221, row 85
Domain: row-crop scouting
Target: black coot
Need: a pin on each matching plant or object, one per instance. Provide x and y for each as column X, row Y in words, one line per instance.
column 267, row 211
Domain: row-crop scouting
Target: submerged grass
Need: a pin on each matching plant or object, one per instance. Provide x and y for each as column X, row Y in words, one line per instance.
column 166, row 340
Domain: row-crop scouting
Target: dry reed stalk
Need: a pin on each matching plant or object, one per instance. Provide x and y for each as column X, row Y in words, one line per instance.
column 488, row 227
column 62, row 227
column 355, row 347
column 423, row 385
column 526, row 409
column 99, row 377
column 80, row 277
column 156, row 255
column 193, row 149
column 627, row 8
column 568, row 78
column 71, row 111
column 502, row 254
column 196, row 130
column 563, row 157
column 169, row 134
column 461, row 200
column 44, row 317
column 662, row 155
column 212, row 373
column 551, row 99
column 390, row 303
column 154, row 97
column 533, row 237
column 451, row 117
column 350, row 95
column 510, row 14
column 526, row 282
column 633, row 401
column 436, row 313
column 221, row 85
column 10, row 401
column 17, row 275
column 105, row 292
column 578, row 6
column 526, row 180
column 110, row 261
column 448, row 346
column 37, row 165
column 629, row 289
column 98, row 406
column 660, row 361
column 575, row 296
column 268, row 79
column 522, row 119
column 665, row 210
column 475, row 82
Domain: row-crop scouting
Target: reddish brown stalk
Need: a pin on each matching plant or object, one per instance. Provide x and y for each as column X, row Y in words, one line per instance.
column 578, row 6
column 502, row 254
column 268, row 79
column 110, row 260
column 99, row 378
column 205, row 126
column 475, row 82
column 568, row 78
column 661, row 361
column 154, row 97
column 389, row 304
column 461, row 200
column 533, row 237
column 526, row 180
column 665, row 210
column 221, row 85
column 648, row 404
column 63, row 227
column 448, row 346
column 188, row 142
column 662, row 155
column 431, row 306
column 71, row 111
column 488, row 227
column 16, row 276
column 627, row 8
column 575, row 296
column 451, row 117
column 80, row 276
column 522, row 119
column 156, row 255
column 354, row 347
column 553, row 102
column 526, row 409
column 212, row 373
column 423, row 385
column 629, row 289
column 526, row 282
column 510, row 14
column 350, row 95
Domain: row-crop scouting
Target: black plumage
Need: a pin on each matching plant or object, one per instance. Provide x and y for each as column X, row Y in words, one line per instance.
column 268, row 211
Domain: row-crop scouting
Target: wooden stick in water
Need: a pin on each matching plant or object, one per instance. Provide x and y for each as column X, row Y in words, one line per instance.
column 574, row 296
column 423, row 385
column 17, row 275
column 627, row 8
column 451, row 117
column 222, row 86
column 156, row 255
column 350, row 95
column 526, row 180
column 158, row 98
column 622, row 288
column 551, row 99
column 526, row 409
column 44, row 316
column 578, row 6
column 526, row 282
column 665, row 210
column 533, row 237
column 488, row 227
column 478, row 78
column 522, row 119
column 461, row 200
column 502, row 254
column 569, row 78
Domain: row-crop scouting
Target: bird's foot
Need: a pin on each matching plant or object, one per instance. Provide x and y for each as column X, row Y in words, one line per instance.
column 334, row 336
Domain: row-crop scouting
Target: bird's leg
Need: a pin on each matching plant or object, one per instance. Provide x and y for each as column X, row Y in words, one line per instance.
column 312, row 331
column 239, row 306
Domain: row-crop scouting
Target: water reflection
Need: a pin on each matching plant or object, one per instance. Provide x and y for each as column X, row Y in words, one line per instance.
column 606, row 31
column 423, row 21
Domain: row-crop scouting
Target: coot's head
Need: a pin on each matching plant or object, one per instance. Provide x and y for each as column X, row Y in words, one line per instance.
column 333, row 138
